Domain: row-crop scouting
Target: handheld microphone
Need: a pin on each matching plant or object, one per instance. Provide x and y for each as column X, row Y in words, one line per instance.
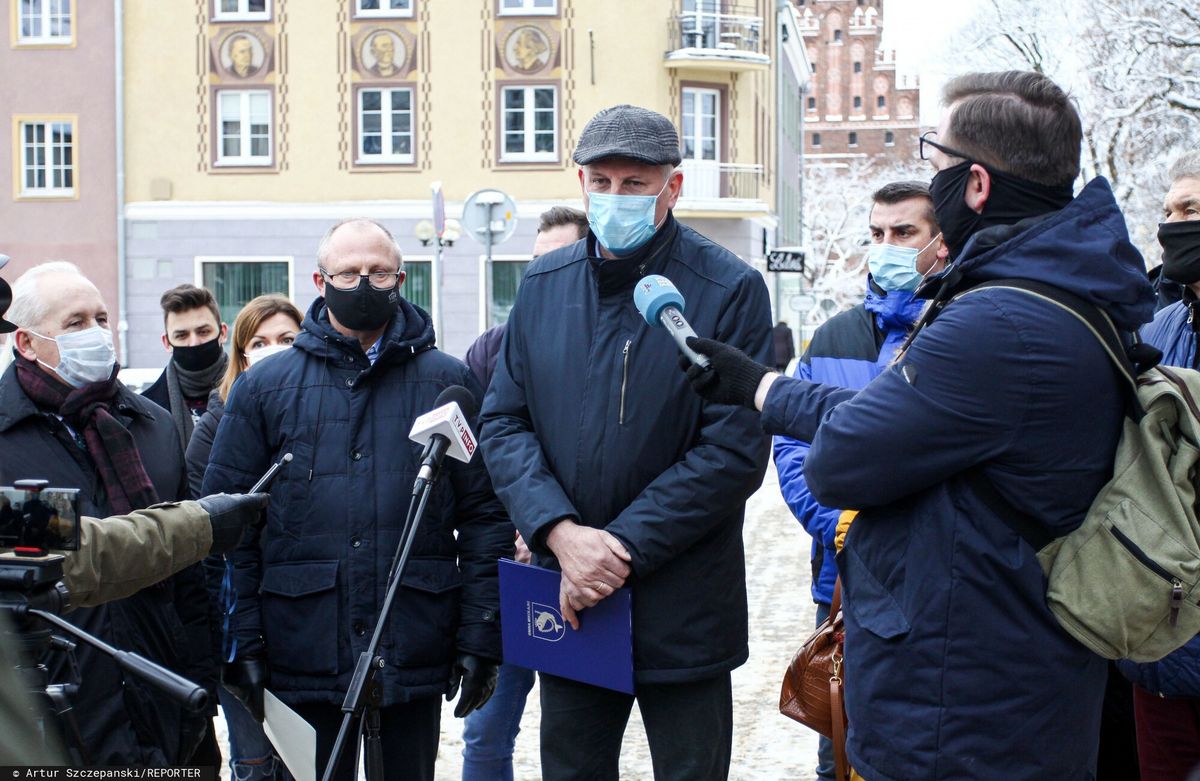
column 660, row 303
column 270, row 475
column 444, row 431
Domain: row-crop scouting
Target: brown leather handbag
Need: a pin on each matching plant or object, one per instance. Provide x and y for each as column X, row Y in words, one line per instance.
column 812, row 686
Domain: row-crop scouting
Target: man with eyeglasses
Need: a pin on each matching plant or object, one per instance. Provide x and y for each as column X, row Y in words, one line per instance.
column 1003, row 406
column 311, row 578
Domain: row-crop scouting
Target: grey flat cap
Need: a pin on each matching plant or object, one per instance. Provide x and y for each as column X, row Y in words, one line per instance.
column 628, row 131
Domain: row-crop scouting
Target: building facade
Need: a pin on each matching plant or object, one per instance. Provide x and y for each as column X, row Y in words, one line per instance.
column 58, row 171
column 242, row 129
column 858, row 107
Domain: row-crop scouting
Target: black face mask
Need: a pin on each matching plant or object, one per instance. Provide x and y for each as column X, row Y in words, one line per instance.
column 1181, row 251
column 362, row 308
column 1011, row 200
column 198, row 357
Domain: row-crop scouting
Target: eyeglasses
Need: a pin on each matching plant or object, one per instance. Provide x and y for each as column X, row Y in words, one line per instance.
column 348, row 280
column 927, row 141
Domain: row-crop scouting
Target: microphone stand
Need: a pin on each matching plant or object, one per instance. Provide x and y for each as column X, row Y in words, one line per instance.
column 365, row 695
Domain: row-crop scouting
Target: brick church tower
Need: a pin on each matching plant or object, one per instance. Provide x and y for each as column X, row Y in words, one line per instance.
column 856, row 106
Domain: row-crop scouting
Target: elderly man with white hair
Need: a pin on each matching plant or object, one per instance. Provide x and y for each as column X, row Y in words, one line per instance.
column 1166, row 694
column 65, row 417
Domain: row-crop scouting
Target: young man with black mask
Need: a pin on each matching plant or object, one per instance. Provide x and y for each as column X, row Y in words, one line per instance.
column 311, row 578
column 1003, row 404
column 195, row 338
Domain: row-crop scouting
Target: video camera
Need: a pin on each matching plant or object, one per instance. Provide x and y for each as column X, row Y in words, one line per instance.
column 35, row 518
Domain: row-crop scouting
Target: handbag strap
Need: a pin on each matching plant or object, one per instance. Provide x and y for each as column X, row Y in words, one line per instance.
column 835, row 606
column 841, row 764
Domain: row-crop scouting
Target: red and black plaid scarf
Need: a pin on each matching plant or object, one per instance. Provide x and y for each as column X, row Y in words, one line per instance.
column 111, row 446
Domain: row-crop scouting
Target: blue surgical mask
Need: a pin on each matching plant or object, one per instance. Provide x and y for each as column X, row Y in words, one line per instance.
column 894, row 267
column 84, row 357
column 623, row 223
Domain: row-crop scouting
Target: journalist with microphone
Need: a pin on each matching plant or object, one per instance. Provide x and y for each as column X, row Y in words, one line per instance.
column 311, row 579
column 615, row 472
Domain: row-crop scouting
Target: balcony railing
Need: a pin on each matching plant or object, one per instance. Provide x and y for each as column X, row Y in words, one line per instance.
column 726, row 38
column 709, row 180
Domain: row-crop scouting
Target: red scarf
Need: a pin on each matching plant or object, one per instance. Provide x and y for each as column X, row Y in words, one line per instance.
column 87, row 411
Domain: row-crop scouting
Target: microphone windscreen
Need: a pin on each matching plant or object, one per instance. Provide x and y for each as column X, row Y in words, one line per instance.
column 652, row 294
column 461, row 396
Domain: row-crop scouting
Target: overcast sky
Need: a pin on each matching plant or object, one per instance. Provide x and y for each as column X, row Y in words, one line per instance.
column 922, row 32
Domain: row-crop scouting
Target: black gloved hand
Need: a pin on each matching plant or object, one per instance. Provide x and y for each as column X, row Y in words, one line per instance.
column 246, row 678
column 478, row 677
column 229, row 515
column 732, row 377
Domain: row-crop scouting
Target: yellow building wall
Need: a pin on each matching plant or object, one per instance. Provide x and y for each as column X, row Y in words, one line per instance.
column 310, row 50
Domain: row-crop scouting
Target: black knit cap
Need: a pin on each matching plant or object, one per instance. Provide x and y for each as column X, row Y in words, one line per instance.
column 628, row 131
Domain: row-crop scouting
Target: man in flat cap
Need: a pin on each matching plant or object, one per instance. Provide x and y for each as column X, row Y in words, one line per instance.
column 617, row 474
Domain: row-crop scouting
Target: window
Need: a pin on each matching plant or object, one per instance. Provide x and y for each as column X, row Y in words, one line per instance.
column 857, row 67
column 881, row 101
column 244, row 127
column 418, row 283
column 858, row 101
column 235, row 281
column 45, row 21
column 241, row 11
column 528, row 7
column 889, row 138
column 837, row 36
column 853, row 139
column 385, row 125
column 47, row 155
column 506, row 278
column 530, row 124
column 812, row 103
column 816, row 139
column 701, row 123
column 381, row 8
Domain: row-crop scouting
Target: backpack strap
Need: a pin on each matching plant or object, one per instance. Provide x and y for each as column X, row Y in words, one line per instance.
column 1128, row 360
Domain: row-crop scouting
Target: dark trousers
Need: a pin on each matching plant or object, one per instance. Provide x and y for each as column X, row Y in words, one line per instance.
column 1168, row 736
column 689, row 727
column 409, row 735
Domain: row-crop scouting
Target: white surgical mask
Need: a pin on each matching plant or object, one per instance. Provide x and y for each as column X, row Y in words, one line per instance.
column 254, row 356
column 84, row 357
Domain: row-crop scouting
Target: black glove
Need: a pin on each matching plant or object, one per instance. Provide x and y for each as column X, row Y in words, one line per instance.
column 732, row 377
column 478, row 677
column 229, row 515
column 246, row 678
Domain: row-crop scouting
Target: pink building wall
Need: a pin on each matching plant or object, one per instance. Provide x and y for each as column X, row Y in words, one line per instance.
column 77, row 80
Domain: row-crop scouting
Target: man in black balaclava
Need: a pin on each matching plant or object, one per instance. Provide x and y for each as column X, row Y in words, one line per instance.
column 195, row 337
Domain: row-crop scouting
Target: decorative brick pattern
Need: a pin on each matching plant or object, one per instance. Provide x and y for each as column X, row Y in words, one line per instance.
column 344, row 90
column 486, row 67
column 202, row 108
column 425, row 111
column 281, row 85
column 567, row 99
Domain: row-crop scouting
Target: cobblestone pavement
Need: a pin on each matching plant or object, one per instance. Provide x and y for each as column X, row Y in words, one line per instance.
column 766, row 745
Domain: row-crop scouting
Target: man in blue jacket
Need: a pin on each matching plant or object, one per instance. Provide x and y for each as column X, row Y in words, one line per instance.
column 1166, row 697
column 851, row 349
column 616, row 473
column 311, row 579
column 955, row 667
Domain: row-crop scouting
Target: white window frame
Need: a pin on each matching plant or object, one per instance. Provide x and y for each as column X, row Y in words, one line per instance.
column 694, row 132
column 527, row 9
column 485, row 285
column 244, row 131
column 47, row 145
column 392, row 158
column 243, row 14
column 290, row 260
column 530, row 115
column 382, row 13
column 44, row 16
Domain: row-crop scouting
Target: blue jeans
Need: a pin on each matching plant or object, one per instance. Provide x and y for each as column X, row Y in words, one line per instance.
column 251, row 755
column 825, row 768
column 490, row 733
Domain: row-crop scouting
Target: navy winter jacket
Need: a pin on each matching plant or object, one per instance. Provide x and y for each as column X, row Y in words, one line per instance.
column 848, row 351
column 1174, row 332
column 589, row 417
column 955, row 667
column 311, row 580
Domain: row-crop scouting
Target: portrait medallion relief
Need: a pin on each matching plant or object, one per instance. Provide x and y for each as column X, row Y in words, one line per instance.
column 241, row 54
column 383, row 55
column 527, row 50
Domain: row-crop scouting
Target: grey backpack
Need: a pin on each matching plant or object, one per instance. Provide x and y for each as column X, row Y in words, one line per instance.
column 1126, row 583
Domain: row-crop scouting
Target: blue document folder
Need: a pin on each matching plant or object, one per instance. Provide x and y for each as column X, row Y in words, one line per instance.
column 536, row 636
